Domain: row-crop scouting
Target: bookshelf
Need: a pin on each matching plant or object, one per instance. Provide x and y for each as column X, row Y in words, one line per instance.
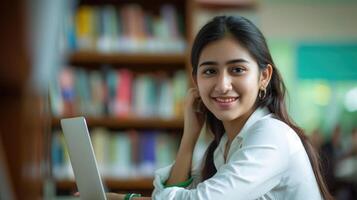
column 123, row 123
column 122, row 58
column 142, row 184
column 145, row 186
column 139, row 59
column 156, row 65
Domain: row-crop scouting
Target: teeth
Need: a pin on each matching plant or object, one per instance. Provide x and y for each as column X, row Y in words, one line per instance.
column 225, row 100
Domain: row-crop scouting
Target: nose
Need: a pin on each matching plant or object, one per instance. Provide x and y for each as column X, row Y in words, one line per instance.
column 224, row 83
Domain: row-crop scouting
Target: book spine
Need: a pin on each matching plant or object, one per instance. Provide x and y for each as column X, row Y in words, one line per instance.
column 119, row 154
column 127, row 29
column 118, row 93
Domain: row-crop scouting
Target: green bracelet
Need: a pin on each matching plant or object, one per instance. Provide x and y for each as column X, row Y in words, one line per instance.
column 182, row 184
column 129, row 196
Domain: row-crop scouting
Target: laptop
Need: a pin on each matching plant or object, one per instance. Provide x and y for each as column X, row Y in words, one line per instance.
column 82, row 158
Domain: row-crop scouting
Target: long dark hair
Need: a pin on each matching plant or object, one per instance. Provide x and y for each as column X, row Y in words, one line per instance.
column 253, row 40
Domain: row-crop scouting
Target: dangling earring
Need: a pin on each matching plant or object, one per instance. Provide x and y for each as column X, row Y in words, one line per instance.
column 262, row 93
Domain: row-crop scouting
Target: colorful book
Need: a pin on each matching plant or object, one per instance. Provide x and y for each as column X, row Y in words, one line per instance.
column 124, row 93
column 147, row 153
column 66, row 80
column 120, row 155
column 101, row 141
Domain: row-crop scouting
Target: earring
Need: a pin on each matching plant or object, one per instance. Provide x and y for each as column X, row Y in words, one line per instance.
column 262, row 93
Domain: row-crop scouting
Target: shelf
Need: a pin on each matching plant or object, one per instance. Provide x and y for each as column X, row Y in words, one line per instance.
column 227, row 4
column 113, row 184
column 115, row 122
column 127, row 58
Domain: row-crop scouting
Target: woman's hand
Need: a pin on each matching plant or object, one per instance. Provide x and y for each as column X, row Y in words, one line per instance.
column 193, row 116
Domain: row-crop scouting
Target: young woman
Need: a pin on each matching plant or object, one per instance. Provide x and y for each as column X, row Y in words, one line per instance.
column 257, row 151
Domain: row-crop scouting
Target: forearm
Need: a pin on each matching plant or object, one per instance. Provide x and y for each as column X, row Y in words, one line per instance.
column 181, row 169
column 141, row 198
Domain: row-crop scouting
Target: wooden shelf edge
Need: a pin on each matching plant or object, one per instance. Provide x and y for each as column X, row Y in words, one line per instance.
column 115, row 122
column 227, row 4
column 126, row 58
column 113, row 184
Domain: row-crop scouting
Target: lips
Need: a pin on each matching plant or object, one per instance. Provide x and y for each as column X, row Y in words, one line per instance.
column 225, row 99
column 225, row 102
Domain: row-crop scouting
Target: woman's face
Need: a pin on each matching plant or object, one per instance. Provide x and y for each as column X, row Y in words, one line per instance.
column 228, row 79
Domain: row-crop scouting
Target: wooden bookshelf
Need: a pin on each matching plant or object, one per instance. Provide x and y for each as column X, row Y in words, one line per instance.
column 138, row 63
column 127, row 58
column 226, row 4
column 119, row 123
column 113, row 184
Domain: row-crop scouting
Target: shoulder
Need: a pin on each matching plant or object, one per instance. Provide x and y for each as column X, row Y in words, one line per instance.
column 267, row 130
column 270, row 130
column 269, row 125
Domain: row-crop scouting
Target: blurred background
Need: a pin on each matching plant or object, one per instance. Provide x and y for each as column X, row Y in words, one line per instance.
column 124, row 65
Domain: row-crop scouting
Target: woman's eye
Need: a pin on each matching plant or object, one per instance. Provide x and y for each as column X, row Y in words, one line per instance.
column 237, row 70
column 209, row 71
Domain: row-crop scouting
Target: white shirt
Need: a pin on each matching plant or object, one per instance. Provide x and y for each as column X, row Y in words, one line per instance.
column 266, row 160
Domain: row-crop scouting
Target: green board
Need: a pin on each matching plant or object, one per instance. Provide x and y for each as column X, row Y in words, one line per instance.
column 327, row 61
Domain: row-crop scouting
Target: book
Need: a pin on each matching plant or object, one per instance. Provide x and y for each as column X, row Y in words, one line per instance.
column 129, row 28
column 98, row 93
column 101, row 141
column 119, row 93
column 61, row 165
column 82, row 91
column 123, row 154
column 147, row 153
column 165, row 101
column 180, row 87
column 123, row 99
column 85, row 27
column 66, row 81
column 120, row 155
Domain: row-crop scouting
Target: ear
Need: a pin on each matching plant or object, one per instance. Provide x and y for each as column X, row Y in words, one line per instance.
column 265, row 76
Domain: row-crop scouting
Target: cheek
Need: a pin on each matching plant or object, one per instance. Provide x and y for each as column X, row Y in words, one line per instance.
column 203, row 89
column 248, row 87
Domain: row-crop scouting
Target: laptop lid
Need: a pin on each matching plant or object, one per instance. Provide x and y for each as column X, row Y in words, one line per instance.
column 82, row 158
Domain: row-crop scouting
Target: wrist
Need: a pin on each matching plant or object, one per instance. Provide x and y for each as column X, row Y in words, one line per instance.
column 131, row 196
column 186, row 146
column 189, row 138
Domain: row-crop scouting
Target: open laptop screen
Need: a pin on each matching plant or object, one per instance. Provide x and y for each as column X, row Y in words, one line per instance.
column 83, row 159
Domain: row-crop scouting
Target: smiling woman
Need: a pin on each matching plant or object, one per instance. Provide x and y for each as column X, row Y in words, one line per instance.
column 257, row 151
column 228, row 81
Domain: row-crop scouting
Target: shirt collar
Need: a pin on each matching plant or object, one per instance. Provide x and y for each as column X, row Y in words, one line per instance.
column 255, row 116
column 237, row 141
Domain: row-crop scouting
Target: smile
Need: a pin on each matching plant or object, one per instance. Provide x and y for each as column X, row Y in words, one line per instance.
column 225, row 99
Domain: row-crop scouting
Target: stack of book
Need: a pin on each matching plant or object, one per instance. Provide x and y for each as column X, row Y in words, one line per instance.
column 123, row 154
column 118, row 93
column 125, row 29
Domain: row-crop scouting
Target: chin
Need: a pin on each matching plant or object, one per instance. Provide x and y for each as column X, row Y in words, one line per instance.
column 225, row 116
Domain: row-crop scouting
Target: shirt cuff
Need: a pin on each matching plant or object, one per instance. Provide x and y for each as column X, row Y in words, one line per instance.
column 181, row 184
column 161, row 175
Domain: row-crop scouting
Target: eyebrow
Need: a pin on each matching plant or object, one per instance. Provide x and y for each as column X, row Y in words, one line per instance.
column 239, row 60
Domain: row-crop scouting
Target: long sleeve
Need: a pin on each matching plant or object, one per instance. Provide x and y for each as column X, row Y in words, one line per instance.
column 254, row 168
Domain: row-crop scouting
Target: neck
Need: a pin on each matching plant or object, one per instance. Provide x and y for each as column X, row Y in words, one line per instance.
column 234, row 127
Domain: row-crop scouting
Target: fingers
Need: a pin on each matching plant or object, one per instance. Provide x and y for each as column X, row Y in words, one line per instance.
column 192, row 94
column 194, row 101
column 76, row 194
